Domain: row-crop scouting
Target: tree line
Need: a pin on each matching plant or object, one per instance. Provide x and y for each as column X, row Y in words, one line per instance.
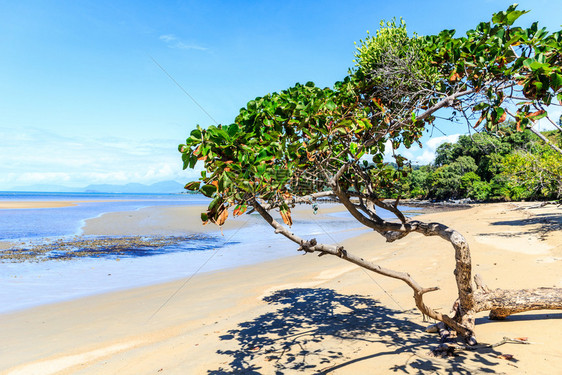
column 483, row 166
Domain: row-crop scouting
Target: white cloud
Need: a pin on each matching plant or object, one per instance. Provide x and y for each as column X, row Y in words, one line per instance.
column 435, row 142
column 554, row 112
column 428, row 154
column 388, row 152
column 425, row 158
column 416, row 154
column 34, row 156
column 36, row 177
column 173, row 41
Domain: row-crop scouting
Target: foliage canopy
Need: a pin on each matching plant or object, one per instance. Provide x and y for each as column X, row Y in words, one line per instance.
column 307, row 139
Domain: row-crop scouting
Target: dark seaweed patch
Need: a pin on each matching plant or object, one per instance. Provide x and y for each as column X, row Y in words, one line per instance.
column 107, row 247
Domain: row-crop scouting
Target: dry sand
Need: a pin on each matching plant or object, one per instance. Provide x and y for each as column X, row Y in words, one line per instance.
column 14, row 205
column 305, row 314
column 10, row 205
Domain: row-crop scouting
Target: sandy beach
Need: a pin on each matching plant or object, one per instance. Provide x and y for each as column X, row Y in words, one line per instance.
column 304, row 314
column 13, row 205
column 16, row 205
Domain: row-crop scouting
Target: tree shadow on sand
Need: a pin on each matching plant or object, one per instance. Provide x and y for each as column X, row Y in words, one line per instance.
column 291, row 339
column 538, row 224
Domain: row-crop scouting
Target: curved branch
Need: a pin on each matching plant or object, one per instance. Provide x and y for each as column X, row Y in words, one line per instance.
column 463, row 262
column 545, row 140
column 392, row 208
column 445, row 102
column 312, row 246
column 304, row 199
column 344, row 199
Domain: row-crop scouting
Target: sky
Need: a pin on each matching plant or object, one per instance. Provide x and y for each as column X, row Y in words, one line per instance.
column 83, row 100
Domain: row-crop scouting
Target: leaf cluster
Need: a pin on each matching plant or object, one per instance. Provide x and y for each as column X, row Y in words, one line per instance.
column 505, row 66
column 306, row 139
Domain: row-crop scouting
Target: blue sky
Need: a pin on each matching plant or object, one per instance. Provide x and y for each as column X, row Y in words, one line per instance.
column 81, row 100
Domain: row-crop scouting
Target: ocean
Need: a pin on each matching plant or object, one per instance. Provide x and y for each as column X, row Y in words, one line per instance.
column 30, row 283
column 52, row 222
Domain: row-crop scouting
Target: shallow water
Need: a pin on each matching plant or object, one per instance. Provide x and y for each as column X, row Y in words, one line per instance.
column 26, row 284
column 64, row 221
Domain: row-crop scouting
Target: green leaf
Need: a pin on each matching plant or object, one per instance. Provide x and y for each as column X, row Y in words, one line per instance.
column 225, row 182
column 509, row 16
column 514, row 15
column 331, row 105
column 555, row 81
column 528, row 62
column 194, row 185
column 215, row 203
column 245, row 185
column 208, row 190
column 192, row 161
column 204, row 217
column 537, row 65
column 196, row 133
column 480, row 106
column 233, row 129
column 377, row 159
column 537, row 115
column 222, row 134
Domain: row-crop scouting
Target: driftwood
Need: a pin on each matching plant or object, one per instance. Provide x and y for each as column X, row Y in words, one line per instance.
column 539, row 205
column 502, row 302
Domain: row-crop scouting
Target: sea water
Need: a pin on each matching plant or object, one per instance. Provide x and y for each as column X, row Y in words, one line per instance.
column 26, row 284
column 51, row 222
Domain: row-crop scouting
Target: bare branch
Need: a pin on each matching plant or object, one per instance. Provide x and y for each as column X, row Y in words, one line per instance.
column 303, row 199
column 545, row 140
column 339, row 251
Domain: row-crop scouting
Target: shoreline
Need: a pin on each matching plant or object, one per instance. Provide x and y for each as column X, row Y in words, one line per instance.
column 119, row 251
column 54, row 203
column 215, row 321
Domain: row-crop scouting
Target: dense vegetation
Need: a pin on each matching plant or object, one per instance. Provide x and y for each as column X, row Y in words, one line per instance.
column 487, row 167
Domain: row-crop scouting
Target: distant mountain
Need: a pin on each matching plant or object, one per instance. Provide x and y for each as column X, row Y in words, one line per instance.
column 165, row 187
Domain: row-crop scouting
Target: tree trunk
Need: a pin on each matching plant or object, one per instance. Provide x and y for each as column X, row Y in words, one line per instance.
column 463, row 272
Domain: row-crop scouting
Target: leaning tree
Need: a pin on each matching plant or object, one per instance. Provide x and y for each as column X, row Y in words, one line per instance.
column 306, row 143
